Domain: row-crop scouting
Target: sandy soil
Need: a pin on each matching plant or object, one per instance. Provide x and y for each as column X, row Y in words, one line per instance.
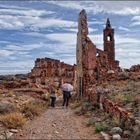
column 58, row 123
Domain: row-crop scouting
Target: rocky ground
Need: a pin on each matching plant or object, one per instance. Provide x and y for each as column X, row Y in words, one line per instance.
column 54, row 123
column 58, row 123
column 66, row 123
column 126, row 93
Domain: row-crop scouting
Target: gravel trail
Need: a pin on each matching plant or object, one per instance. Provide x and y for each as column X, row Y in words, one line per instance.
column 58, row 123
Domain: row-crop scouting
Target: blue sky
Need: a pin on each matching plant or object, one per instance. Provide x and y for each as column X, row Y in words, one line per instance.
column 36, row 29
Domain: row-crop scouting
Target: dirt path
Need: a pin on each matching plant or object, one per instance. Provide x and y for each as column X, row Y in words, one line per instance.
column 59, row 123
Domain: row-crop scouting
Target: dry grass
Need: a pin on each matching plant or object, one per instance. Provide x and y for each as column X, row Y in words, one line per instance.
column 13, row 120
column 76, row 104
column 101, row 126
column 10, row 94
column 122, row 98
column 33, row 109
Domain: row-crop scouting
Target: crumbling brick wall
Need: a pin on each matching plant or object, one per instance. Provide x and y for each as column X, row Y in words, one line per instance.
column 97, row 96
column 52, row 70
column 93, row 63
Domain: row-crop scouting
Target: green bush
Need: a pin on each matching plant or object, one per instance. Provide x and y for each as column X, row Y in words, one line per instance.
column 127, row 98
column 100, row 126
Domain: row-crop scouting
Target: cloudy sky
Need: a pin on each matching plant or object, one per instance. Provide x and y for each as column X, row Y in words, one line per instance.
column 37, row 29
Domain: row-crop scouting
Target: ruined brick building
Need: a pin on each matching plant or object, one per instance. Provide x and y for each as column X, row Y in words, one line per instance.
column 93, row 63
column 47, row 70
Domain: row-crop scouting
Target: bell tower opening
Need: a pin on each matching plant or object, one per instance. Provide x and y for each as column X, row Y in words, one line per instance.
column 109, row 38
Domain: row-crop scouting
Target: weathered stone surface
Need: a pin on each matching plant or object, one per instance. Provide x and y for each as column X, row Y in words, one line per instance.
column 116, row 137
column 6, row 107
column 115, row 130
column 135, row 68
column 47, row 71
column 127, row 134
column 93, row 63
column 14, row 130
column 6, row 135
column 105, row 136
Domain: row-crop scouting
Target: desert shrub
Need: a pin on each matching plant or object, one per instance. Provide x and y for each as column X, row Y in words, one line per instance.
column 91, row 122
column 10, row 94
column 101, row 126
column 12, row 84
column 33, row 109
column 122, row 98
column 46, row 97
column 13, row 120
column 76, row 104
column 6, row 107
column 127, row 98
column 87, row 106
column 84, row 108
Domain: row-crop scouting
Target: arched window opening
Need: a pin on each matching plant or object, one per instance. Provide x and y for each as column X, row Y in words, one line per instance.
column 109, row 38
column 97, row 54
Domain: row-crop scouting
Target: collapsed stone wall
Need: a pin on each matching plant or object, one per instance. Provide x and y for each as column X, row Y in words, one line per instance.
column 135, row 68
column 121, row 117
column 47, row 70
column 93, row 63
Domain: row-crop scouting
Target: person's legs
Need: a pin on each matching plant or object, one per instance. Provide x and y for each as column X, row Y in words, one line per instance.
column 64, row 98
column 67, row 100
column 53, row 101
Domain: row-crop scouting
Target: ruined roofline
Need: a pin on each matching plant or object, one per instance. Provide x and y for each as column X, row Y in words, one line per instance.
column 54, row 60
column 46, row 58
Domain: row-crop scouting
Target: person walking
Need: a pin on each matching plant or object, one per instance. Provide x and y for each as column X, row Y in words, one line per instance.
column 66, row 88
column 53, row 97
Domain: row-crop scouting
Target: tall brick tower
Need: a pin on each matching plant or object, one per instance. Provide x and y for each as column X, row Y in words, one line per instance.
column 85, row 55
column 109, row 42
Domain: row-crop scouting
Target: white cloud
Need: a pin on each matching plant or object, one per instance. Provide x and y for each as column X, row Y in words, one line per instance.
column 65, row 38
column 14, row 71
column 5, row 53
column 25, row 12
column 123, row 28
column 95, row 22
column 17, row 64
column 16, row 67
column 118, row 8
column 43, row 23
column 135, row 21
column 75, row 30
column 33, row 23
column 125, row 40
column 20, row 18
column 27, row 47
column 126, row 11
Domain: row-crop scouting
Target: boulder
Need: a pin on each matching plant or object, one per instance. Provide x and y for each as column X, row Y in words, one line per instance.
column 14, row 130
column 6, row 107
column 116, row 130
column 116, row 137
column 6, row 135
column 105, row 136
column 126, row 134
